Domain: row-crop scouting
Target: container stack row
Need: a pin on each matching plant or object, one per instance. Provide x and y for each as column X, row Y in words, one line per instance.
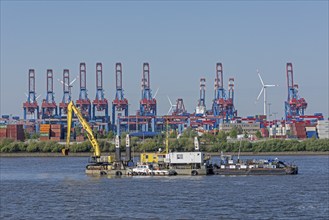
column 12, row 131
column 323, row 129
column 3, row 131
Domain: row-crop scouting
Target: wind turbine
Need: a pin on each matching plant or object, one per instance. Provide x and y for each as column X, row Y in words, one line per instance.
column 70, row 85
column 263, row 90
column 156, row 93
column 30, row 100
column 171, row 106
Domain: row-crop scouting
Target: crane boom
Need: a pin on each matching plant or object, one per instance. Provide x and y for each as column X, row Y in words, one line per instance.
column 71, row 107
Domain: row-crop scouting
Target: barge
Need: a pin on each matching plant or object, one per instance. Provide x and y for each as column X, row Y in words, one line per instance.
column 228, row 166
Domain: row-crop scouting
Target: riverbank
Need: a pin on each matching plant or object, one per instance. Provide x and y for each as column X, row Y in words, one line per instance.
column 88, row 154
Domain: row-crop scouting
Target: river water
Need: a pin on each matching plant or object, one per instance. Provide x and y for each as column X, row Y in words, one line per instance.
column 57, row 188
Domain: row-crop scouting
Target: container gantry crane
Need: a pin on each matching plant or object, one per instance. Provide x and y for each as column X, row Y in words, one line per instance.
column 201, row 107
column 83, row 103
column 231, row 112
column 100, row 104
column 148, row 104
column 120, row 103
column 66, row 93
column 31, row 105
column 180, row 108
column 48, row 106
column 294, row 106
column 219, row 102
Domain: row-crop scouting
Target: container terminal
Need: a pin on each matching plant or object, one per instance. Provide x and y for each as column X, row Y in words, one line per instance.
column 49, row 119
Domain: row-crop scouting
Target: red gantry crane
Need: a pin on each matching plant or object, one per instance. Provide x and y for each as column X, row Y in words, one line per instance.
column 295, row 105
column 48, row 106
column 31, row 105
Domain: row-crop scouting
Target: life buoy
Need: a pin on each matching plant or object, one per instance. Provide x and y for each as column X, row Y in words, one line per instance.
column 194, row 173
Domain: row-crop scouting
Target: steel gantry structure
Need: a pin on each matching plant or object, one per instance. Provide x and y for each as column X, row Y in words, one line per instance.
column 83, row 103
column 66, row 93
column 31, row 105
column 48, row 106
column 100, row 104
column 120, row 103
column 223, row 104
column 295, row 105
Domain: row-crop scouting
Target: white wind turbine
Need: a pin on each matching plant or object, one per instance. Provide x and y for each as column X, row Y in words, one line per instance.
column 264, row 89
column 70, row 85
column 30, row 100
column 171, row 106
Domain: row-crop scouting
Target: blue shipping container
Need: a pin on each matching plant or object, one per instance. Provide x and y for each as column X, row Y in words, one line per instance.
column 310, row 134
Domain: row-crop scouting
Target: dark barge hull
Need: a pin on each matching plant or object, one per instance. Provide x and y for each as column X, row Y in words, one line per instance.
column 256, row 171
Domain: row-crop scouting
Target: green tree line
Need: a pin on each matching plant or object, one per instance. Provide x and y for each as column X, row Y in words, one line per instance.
column 208, row 143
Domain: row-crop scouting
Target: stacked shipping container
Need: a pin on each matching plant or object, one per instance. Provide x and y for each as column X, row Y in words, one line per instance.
column 44, row 132
column 298, row 129
column 264, row 132
column 323, row 129
column 311, row 131
column 3, row 131
column 15, row 132
column 55, row 132
column 80, row 138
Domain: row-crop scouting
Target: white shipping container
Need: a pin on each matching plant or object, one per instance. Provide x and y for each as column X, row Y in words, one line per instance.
column 310, row 128
column 185, row 157
column 323, row 122
column 322, row 127
column 323, row 133
column 284, row 131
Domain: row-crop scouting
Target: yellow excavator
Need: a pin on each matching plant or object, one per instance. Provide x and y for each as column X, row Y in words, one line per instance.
column 98, row 164
column 70, row 109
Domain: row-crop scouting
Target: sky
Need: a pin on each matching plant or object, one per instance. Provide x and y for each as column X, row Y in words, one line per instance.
column 182, row 41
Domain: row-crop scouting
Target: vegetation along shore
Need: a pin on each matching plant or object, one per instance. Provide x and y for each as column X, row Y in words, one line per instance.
column 213, row 144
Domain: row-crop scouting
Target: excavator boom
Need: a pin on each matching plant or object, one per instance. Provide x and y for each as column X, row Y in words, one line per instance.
column 70, row 109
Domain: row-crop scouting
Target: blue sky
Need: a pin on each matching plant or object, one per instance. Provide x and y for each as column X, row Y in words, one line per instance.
column 182, row 41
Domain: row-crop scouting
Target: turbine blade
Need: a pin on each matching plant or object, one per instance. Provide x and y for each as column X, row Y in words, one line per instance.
column 37, row 97
column 169, row 110
column 270, row 85
column 73, row 81
column 169, row 101
column 260, row 93
column 156, row 92
column 261, row 79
